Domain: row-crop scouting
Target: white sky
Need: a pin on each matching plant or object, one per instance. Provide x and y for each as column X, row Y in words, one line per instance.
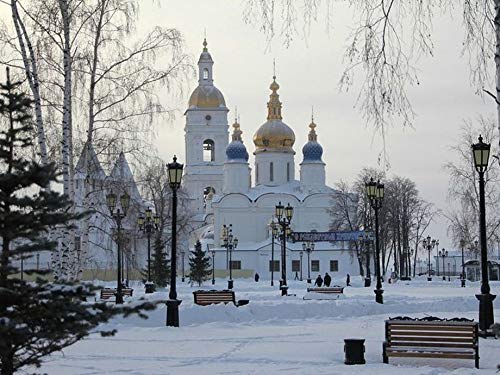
column 308, row 74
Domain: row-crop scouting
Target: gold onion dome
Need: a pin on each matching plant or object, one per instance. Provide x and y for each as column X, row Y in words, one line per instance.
column 274, row 134
column 207, row 97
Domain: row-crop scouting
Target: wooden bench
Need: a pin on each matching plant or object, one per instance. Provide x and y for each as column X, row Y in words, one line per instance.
column 210, row 297
column 336, row 289
column 111, row 292
column 431, row 338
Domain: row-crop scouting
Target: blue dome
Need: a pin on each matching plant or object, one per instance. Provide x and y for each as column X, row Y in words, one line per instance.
column 236, row 150
column 312, row 151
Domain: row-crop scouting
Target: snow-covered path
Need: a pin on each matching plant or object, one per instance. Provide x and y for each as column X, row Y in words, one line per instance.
column 276, row 334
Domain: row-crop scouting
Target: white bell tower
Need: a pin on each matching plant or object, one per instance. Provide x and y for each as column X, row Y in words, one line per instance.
column 206, row 137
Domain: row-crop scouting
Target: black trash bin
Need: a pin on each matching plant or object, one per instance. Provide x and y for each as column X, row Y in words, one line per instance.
column 354, row 351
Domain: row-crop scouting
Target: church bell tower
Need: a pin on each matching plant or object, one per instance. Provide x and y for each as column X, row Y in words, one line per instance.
column 206, row 137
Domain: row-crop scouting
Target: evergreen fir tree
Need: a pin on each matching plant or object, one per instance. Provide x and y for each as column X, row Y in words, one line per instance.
column 41, row 317
column 160, row 265
column 199, row 265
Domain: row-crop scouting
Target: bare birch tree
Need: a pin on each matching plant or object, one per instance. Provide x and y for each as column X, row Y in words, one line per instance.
column 388, row 39
column 463, row 190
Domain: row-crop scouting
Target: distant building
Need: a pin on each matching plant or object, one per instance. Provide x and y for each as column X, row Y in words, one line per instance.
column 223, row 190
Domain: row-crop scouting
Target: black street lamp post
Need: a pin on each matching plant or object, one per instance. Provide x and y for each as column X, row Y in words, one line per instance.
column 148, row 224
column 213, row 267
column 449, row 273
column 301, row 254
column 284, row 217
column 364, row 240
column 375, row 193
column 274, row 235
column 226, row 231
column 230, row 243
column 462, row 276
column 429, row 244
column 443, row 254
column 182, row 256
column 308, row 247
column 118, row 216
column 174, row 179
column 481, row 153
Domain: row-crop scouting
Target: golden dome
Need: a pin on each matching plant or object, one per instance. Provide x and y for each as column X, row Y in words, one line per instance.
column 274, row 134
column 207, row 96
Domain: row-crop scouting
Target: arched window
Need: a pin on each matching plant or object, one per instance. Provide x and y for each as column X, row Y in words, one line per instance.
column 288, row 172
column 271, row 171
column 206, row 192
column 208, row 150
column 205, row 73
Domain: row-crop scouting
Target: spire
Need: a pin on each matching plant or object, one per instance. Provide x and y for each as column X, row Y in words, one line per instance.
column 205, row 49
column 313, row 137
column 236, row 132
column 274, row 104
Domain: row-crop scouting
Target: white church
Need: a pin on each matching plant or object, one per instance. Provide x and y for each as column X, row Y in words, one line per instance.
column 224, row 190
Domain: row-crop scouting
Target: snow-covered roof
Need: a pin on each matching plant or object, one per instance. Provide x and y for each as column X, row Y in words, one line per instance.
column 88, row 164
column 121, row 176
column 294, row 188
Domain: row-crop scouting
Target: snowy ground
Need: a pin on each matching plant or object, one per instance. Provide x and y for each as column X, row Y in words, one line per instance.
column 275, row 334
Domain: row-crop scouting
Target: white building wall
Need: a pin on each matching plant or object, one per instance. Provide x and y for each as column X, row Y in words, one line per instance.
column 283, row 168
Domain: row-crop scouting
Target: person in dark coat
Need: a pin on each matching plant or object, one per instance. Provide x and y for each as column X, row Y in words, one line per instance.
column 348, row 280
column 319, row 281
column 327, row 279
column 257, row 277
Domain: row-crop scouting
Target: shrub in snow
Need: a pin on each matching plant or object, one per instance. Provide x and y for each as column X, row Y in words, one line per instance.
column 39, row 317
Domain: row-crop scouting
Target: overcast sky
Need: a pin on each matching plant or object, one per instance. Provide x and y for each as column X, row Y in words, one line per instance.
column 308, row 73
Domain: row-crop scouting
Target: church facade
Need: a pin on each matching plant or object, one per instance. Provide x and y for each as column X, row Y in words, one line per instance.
column 224, row 189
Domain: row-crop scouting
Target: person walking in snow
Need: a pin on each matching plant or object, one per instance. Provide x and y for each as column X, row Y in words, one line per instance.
column 348, row 280
column 327, row 279
column 319, row 281
column 257, row 277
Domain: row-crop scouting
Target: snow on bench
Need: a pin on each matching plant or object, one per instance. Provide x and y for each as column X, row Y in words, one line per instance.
column 111, row 292
column 210, row 297
column 431, row 338
column 327, row 293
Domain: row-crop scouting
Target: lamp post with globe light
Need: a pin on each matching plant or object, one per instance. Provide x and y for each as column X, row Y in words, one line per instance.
column 284, row 217
column 174, row 172
column 481, row 153
column 462, row 276
column 428, row 245
column 147, row 224
column 375, row 193
column 308, row 247
column 118, row 215
column 443, row 254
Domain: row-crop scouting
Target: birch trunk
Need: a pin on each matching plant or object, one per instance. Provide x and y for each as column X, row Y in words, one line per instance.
column 90, row 137
column 66, row 244
column 497, row 67
column 31, row 70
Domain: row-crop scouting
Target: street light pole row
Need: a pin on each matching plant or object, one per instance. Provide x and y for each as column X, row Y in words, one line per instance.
column 375, row 193
column 230, row 242
column 148, row 224
column 118, row 215
column 308, row 247
column 284, row 217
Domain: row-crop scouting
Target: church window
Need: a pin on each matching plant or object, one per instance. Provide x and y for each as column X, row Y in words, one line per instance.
column 315, row 265
column 208, row 150
column 334, row 266
column 76, row 184
column 288, row 172
column 205, row 73
column 271, row 171
column 236, row 264
column 206, row 192
column 275, row 267
column 78, row 244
